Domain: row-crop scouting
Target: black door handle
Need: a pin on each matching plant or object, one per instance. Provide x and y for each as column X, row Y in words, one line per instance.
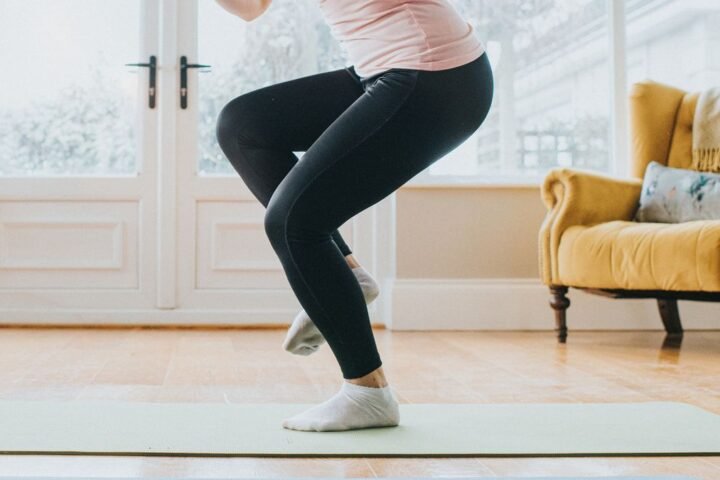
column 152, row 65
column 183, row 78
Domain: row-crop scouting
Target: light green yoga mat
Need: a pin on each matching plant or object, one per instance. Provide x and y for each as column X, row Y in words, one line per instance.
column 516, row 429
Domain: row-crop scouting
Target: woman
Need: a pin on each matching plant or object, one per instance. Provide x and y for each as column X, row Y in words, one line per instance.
column 420, row 84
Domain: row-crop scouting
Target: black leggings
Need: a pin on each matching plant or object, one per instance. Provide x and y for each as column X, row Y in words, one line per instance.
column 363, row 138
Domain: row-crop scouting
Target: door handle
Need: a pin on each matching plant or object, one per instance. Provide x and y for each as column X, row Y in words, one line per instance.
column 152, row 91
column 183, row 78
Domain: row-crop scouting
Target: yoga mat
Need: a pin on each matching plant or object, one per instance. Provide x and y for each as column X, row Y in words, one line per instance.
column 225, row 429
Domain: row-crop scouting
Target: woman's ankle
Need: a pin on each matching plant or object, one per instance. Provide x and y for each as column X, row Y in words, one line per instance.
column 374, row 379
column 352, row 263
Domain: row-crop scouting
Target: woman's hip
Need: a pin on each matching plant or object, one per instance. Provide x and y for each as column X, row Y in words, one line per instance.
column 454, row 101
column 444, row 107
column 407, row 119
column 460, row 94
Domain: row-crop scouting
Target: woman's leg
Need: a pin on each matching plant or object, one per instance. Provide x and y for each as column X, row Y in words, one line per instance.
column 403, row 122
column 259, row 130
column 258, row 133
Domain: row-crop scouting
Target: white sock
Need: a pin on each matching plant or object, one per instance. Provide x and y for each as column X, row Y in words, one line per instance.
column 353, row 407
column 304, row 338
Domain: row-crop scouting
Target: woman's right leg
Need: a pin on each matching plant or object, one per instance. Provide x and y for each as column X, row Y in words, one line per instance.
column 258, row 131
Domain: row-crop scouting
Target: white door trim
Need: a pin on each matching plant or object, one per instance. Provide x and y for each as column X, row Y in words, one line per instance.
column 167, row 157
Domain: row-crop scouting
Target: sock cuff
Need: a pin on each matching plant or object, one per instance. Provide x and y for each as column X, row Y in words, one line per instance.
column 361, row 273
column 362, row 388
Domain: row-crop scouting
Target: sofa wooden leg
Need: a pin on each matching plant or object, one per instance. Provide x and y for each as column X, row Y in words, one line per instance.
column 559, row 302
column 670, row 316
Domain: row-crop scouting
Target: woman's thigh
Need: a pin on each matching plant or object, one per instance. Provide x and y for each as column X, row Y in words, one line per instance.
column 289, row 115
column 404, row 121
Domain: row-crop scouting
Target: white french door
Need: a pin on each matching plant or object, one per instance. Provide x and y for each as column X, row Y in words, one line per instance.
column 116, row 205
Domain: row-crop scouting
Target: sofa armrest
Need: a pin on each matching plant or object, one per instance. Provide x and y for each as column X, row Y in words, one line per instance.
column 575, row 197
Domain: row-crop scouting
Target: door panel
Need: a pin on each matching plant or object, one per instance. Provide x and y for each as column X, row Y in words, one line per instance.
column 77, row 158
column 232, row 249
column 82, row 245
column 69, row 105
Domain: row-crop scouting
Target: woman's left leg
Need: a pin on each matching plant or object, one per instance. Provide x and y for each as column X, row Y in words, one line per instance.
column 405, row 120
column 259, row 130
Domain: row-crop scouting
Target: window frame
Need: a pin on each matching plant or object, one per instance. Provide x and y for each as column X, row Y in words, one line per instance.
column 619, row 152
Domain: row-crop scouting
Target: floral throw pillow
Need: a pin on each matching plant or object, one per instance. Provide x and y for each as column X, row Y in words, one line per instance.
column 673, row 195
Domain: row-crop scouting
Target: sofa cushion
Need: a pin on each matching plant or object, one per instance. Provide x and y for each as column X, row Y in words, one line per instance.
column 675, row 195
column 642, row 256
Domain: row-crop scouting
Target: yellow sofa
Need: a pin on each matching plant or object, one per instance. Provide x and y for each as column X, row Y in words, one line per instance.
column 589, row 241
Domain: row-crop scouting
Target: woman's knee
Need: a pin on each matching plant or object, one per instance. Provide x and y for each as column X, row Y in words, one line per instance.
column 289, row 218
column 232, row 126
column 225, row 125
column 275, row 223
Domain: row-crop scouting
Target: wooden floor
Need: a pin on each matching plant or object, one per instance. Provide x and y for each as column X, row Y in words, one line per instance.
column 457, row 367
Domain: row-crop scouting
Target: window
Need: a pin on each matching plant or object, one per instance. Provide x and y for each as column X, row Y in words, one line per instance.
column 290, row 40
column 674, row 42
column 75, row 112
column 553, row 97
column 69, row 104
column 550, row 60
column 550, row 108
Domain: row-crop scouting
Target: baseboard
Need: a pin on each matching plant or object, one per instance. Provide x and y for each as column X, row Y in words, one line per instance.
column 269, row 318
column 418, row 304
column 522, row 304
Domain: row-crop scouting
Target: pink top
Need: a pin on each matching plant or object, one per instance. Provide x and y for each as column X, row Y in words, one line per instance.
column 419, row 34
